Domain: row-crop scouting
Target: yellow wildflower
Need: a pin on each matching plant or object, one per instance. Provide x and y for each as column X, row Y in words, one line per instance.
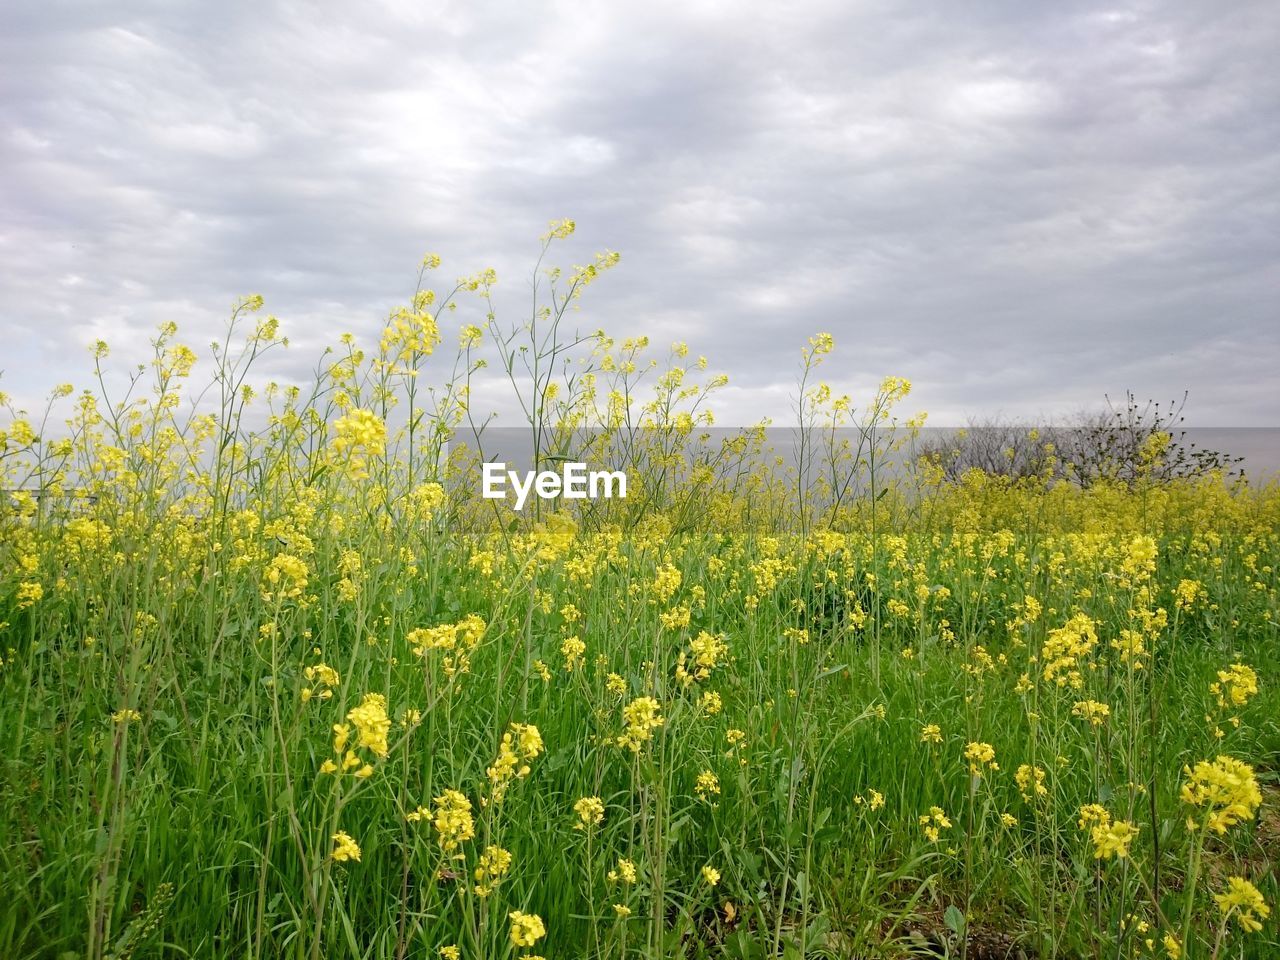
column 1243, row 901
column 590, row 811
column 344, row 848
column 1226, row 788
column 372, row 723
column 526, row 928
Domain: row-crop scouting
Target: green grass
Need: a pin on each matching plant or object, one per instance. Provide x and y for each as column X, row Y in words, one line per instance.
column 216, row 790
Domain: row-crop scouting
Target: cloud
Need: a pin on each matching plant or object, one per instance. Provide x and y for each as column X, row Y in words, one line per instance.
column 1019, row 207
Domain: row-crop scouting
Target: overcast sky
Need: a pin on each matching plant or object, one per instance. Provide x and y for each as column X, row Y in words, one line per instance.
column 1019, row 206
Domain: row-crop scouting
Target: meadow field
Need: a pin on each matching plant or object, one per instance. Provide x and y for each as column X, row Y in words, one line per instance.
column 275, row 682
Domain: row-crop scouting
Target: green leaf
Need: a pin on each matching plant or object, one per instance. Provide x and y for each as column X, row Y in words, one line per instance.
column 816, row 935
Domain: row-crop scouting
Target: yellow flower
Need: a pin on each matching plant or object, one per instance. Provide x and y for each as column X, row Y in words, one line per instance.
column 978, row 755
column 29, row 591
column 322, row 673
column 286, row 577
column 450, row 952
column 1113, row 839
column 1235, row 685
column 345, row 848
column 590, row 811
column 572, row 649
column 341, row 734
column 1243, row 901
column 360, row 431
column 624, row 872
column 1065, row 647
column 528, row 740
column 707, row 785
column 526, row 928
column 1093, row 711
column 491, row 868
column 521, row 743
column 930, row 733
column 933, row 823
column 711, row 875
column 707, row 651
column 1187, row 593
column 559, row 229
column 372, row 723
column 642, row 716
column 1030, row 782
column 1226, row 787
column 1093, row 813
column 453, row 822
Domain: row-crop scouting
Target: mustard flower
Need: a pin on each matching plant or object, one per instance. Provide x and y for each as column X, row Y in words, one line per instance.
column 1066, row 647
column 1243, row 901
column 490, row 869
column 707, row 785
column 980, row 756
column 572, row 650
column 526, row 928
column 1030, row 782
column 521, row 743
column 372, row 723
column 590, row 811
column 1226, row 788
column 344, row 847
column 360, row 431
column 1235, row 685
column 1093, row 711
column 642, row 716
column 625, row 872
column 452, row 821
column 933, row 823
column 1112, row 839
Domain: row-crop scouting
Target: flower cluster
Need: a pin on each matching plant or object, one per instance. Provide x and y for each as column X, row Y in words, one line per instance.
column 642, row 716
column 1226, row 788
column 933, row 823
column 1111, row 838
column 520, row 744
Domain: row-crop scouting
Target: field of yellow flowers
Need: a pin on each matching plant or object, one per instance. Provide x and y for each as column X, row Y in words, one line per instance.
column 275, row 683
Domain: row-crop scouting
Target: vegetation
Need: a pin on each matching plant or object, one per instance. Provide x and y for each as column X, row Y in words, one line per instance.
column 1129, row 444
column 276, row 683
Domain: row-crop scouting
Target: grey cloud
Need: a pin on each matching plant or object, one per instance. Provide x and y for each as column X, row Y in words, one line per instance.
column 1018, row 206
